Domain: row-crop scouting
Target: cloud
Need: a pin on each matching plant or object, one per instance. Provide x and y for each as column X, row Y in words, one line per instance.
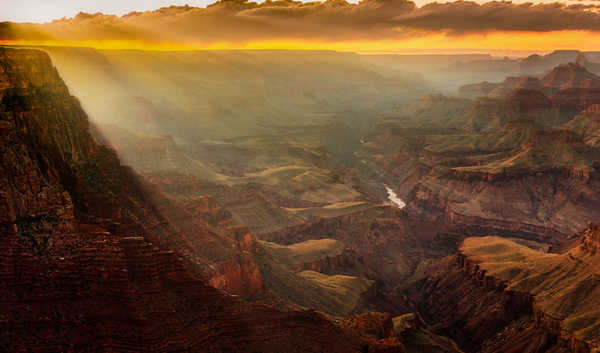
column 466, row 16
column 241, row 21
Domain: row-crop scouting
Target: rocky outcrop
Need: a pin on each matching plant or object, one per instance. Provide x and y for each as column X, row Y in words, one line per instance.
column 511, row 84
column 571, row 75
column 123, row 294
column 591, row 239
column 499, row 297
column 321, row 226
column 240, row 275
column 482, row 315
column 492, row 114
column 571, row 88
column 348, row 261
column 522, row 302
column 542, row 63
column 476, row 216
column 573, row 100
column 377, row 328
column 508, row 190
column 526, row 100
column 587, row 125
column 32, row 192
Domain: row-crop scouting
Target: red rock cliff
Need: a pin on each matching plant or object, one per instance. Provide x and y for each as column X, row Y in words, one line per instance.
column 78, row 267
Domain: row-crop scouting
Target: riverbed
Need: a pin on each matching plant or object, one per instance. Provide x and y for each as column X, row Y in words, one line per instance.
column 393, row 197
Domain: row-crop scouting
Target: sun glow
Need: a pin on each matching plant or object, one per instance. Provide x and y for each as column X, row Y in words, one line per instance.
column 532, row 41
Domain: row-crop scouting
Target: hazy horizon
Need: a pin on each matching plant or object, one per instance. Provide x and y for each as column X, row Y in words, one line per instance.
column 365, row 26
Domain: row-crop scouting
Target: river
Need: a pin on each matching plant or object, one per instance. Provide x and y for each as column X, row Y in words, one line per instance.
column 394, row 198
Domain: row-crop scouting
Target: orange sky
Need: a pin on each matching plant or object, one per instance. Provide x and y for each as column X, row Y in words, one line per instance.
column 491, row 42
column 369, row 26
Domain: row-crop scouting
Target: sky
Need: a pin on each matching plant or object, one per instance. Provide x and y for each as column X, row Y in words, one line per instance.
column 368, row 25
column 48, row 10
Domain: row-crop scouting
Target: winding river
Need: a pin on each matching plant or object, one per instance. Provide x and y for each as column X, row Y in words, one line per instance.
column 394, row 198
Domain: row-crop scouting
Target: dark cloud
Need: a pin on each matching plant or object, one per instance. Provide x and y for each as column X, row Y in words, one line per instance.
column 238, row 21
column 467, row 16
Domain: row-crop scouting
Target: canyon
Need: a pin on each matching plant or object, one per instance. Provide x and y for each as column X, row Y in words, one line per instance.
column 359, row 218
column 513, row 162
column 88, row 261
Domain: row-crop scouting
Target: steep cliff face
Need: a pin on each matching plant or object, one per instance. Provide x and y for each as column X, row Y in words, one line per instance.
column 564, row 286
column 94, row 260
column 571, row 75
column 378, row 327
column 32, row 190
column 496, row 295
column 514, row 201
column 587, row 125
column 574, row 100
column 490, row 114
column 479, row 314
column 511, row 84
column 102, row 293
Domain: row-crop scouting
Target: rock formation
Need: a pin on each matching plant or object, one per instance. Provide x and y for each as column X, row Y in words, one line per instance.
column 504, row 293
column 91, row 260
column 520, row 161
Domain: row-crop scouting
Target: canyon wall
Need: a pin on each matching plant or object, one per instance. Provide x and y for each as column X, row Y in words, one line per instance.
column 486, row 313
column 94, row 260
